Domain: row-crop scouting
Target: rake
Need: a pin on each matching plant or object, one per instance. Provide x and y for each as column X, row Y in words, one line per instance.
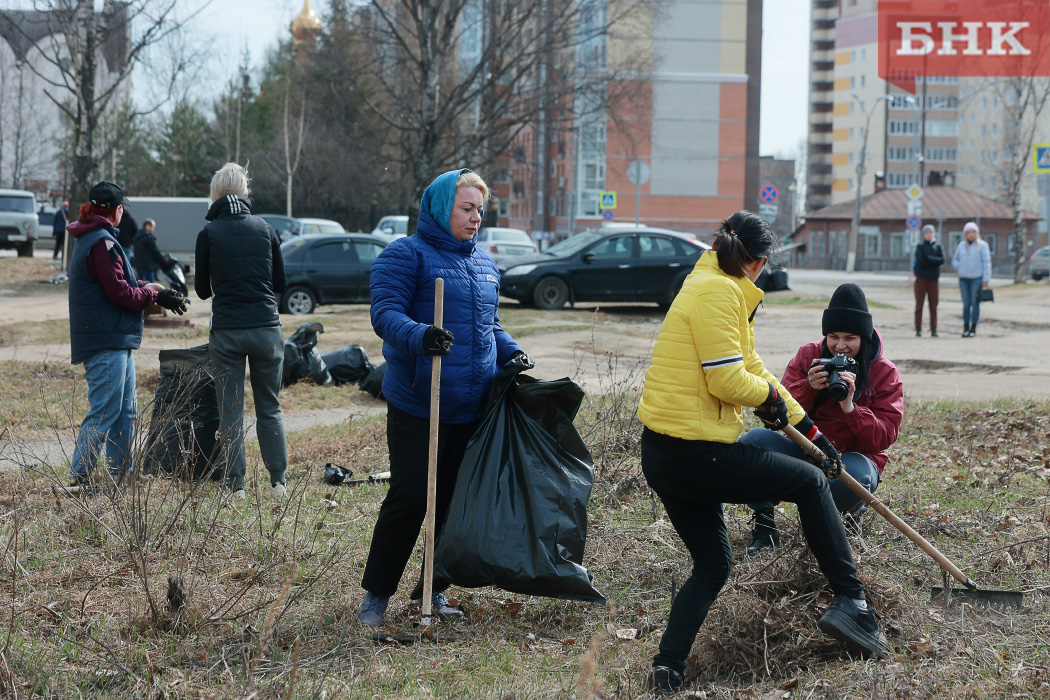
column 971, row 593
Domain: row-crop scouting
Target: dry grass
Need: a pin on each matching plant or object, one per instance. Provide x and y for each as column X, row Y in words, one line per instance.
column 167, row 590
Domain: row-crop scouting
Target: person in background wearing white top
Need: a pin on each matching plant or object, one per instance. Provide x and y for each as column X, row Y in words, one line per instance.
column 973, row 262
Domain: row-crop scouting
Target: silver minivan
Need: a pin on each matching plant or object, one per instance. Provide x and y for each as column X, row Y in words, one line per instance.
column 1039, row 263
column 18, row 221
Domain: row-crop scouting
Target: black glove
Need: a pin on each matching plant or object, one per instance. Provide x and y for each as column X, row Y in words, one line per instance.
column 437, row 341
column 522, row 358
column 773, row 412
column 832, row 466
column 172, row 301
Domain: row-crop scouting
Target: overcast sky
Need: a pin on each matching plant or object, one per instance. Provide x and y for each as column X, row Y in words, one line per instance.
column 257, row 24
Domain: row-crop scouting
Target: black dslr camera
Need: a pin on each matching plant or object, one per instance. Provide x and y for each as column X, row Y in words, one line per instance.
column 838, row 388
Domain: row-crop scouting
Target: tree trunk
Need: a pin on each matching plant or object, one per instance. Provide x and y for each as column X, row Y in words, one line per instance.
column 84, row 126
column 1020, row 234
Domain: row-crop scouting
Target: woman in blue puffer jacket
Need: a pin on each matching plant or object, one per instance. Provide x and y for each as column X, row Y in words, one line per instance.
column 474, row 346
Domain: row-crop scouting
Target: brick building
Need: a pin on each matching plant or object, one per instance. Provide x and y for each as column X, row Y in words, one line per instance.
column 887, row 244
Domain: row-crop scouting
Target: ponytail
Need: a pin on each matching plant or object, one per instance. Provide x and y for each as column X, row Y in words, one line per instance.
column 742, row 239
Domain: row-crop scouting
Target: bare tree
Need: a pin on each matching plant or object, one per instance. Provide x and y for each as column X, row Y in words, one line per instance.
column 457, row 81
column 88, row 56
column 1024, row 100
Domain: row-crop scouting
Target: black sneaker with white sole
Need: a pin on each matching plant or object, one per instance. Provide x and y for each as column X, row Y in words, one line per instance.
column 857, row 629
column 664, row 681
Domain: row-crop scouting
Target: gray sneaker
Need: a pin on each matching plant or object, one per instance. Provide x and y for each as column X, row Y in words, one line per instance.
column 373, row 609
column 445, row 610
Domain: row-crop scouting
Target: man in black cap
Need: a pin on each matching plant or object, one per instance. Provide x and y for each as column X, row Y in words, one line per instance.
column 862, row 425
column 106, row 302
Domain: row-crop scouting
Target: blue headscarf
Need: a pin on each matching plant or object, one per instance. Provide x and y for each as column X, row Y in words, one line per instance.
column 440, row 196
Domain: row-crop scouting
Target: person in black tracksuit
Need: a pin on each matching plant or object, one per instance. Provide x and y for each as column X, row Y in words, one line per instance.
column 148, row 258
column 239, row 261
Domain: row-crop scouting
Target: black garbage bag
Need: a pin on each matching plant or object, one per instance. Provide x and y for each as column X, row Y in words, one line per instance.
column 181, row 437
column 518, row 516
column 347, row 364
column 301, row 358
column 373, row 381
column 772, row 280
column 175, row 276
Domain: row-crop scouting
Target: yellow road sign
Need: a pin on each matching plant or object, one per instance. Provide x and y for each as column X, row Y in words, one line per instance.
column 607, row 200
column 1041, row 157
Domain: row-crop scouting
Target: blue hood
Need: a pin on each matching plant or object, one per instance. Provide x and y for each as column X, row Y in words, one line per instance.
column 440, row 196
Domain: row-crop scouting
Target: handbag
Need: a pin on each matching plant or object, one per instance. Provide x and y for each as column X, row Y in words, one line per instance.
column 985, row 294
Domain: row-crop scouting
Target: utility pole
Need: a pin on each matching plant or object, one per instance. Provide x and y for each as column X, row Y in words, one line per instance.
column 854, row 233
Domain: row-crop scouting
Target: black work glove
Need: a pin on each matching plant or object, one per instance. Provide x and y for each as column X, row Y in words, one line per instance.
column 832, row 466
column 773, row 412
column 172, row 301
column 523, row 359
column 437, row 341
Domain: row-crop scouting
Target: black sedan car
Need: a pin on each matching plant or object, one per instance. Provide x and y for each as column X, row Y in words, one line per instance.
column 327, row 269
column 621, row 264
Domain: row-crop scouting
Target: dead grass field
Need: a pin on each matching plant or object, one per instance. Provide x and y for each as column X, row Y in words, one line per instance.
column 167, row 590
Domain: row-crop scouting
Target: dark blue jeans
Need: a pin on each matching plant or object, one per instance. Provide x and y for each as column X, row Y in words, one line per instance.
column 857, row 465
column 969, row 287
column 694, row 478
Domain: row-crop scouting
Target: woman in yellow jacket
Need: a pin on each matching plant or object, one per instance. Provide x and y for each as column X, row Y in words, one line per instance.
column 704, row 370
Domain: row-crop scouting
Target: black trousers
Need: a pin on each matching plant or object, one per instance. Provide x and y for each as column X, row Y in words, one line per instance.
column 694, row 478
column 405, row 506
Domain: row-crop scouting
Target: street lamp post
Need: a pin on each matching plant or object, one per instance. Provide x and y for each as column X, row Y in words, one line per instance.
column 854, row 234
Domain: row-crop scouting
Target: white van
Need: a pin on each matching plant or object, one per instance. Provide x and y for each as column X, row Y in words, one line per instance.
column 18, row 221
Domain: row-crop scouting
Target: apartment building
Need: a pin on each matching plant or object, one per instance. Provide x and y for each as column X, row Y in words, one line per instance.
column 688, row 78
column 951, row 130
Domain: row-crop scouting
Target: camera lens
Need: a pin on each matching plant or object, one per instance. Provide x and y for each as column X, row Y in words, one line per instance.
column 837, row 386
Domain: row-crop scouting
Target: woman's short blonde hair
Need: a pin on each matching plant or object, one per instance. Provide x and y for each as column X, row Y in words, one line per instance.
column 231, row 178
column 473, row 180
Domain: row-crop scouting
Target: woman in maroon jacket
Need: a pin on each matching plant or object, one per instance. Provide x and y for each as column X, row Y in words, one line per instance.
column 862, row 425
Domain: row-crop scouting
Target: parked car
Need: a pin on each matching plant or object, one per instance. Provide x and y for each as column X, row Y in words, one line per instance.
column 637, row 264
column 504, row 243
column 391, row 227
column 45, row 219
column 18, row 222
column 288, row 227
column 1039, row 263
column 327, row 269
column 282, row 225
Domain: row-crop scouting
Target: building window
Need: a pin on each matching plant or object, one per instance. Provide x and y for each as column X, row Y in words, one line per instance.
column 899, row 127
column 995, row 130
column 851, row 159
column 852, row 82
column 942, row 102
column 902, row 101
column 872, row 245
column 953, row 240
column 984, row 104
column 942, row 128
column 863, row 57
column 992, row 239
column 862, row 81
column 983, row 158
column 851, row 131
column 898, row 153
column 897, row 245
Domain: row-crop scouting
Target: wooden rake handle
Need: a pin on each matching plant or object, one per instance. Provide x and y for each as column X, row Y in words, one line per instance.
column 435, row 406
column 880, row 507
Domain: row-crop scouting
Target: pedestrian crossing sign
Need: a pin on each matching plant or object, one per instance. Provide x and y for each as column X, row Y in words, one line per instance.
column 607, row 200
column 1041, row 158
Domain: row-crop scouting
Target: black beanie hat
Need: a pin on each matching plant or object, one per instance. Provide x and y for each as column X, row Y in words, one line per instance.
column 848, row 312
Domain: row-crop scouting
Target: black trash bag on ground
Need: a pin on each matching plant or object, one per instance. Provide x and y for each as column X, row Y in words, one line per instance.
column 301, row 358
column 181, row 437
column 373, row 381
column 518, row 516
column 772, row 280
column 347, row 364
